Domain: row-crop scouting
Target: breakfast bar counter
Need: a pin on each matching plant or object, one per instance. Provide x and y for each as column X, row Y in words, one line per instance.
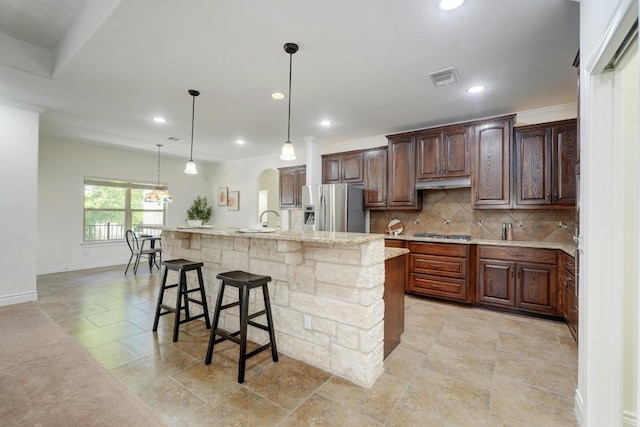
column 326, row 291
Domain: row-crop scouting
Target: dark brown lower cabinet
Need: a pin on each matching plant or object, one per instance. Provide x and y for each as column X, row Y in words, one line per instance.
column 440, row 270
column 567, row 295
column 522, row 279
column 394, row 283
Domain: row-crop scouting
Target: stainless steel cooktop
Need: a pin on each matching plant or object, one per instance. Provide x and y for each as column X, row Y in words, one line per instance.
column 444, row 236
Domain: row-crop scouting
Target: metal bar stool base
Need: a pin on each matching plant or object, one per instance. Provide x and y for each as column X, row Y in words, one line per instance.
column 244, row 282
column 182, row 295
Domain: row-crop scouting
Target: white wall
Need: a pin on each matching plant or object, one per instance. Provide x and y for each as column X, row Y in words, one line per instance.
column 19, row 206
column 608, row 206
column 62, row 168
column 243, row 176
column 627, row 81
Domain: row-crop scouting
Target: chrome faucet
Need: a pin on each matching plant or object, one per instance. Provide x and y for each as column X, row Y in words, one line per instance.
column 264, row 212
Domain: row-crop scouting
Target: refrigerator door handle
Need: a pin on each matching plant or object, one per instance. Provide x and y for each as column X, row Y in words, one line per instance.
column 321, row 215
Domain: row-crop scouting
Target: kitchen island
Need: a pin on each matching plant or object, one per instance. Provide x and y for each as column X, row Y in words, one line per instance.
column 326, row 291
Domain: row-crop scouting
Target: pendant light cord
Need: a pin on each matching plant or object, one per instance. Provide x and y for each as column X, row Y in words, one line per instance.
column 193, row 113
column 289, row 117
column 159, row 163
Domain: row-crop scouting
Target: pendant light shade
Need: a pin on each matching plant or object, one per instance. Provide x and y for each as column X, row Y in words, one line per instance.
column 287, row 149
column 191, row 165
column 159, row 193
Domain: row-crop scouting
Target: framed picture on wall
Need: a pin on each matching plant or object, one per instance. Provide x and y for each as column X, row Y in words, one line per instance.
column 233, row 200
column 222, row 196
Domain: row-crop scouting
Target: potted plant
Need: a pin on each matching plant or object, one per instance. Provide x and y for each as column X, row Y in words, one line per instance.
column 199, row 212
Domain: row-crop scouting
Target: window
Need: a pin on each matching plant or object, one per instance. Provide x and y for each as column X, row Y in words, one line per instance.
column 111, row 207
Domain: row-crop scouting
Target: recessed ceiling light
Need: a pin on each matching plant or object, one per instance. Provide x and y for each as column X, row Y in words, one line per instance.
column 450, row 4
column 325, row 122
column 277, row 95
column 239, row 142
column 159, row 120
column 476, row 89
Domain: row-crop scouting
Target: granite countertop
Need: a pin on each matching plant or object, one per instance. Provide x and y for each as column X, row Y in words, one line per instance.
column 336, row 238
column 568, row 248
column 394, row 252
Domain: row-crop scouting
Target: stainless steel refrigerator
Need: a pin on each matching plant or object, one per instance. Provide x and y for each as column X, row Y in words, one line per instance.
column 333, row 207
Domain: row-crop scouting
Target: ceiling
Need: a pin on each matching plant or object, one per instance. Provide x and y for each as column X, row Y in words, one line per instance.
column 102, row 69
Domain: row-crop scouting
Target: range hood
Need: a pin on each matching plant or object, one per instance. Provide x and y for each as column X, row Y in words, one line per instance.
column 444, row 184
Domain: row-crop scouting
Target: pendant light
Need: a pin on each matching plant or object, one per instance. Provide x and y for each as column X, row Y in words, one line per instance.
column 287, row 149
column 159, row 193
column 191, row 165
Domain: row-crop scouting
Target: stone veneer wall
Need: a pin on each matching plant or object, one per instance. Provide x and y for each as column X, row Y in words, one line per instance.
column 339, row 287
column 451, row 212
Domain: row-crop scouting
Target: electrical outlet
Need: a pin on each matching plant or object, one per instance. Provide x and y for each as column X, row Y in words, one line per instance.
column 307, row 321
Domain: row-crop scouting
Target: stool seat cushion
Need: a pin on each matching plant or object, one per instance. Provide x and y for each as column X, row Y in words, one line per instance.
column 182, row 264
column 238, row 277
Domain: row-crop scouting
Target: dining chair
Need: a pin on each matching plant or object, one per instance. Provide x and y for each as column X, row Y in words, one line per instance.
column 138, row 251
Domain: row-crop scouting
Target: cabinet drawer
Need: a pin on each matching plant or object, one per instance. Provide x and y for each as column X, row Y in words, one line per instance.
column 446, row 249
column 567, row 262
column 391, row 243
column 546, row 256
column 438, row 265
column 437, row 286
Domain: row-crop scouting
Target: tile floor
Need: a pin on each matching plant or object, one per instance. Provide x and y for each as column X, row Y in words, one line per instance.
column 456, row 366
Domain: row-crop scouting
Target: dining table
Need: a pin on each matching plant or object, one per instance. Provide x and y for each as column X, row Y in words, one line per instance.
column 142, row 238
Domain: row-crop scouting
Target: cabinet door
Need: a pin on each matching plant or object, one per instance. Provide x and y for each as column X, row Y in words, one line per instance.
column 352, row 166
column 402, row 173
column 331, row 173
column 533, row 166
column 375, row 178
column 491, row 185
column 536, row 287
column 428, row 162
column 301, row 182
column 287, row 189
column 456, row 151
column 291, row 181
column 495, row 282
column 565, row 154
column 571, row 301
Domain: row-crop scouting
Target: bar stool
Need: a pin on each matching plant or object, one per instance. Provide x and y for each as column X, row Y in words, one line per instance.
column 244, row 282
column 182, row 295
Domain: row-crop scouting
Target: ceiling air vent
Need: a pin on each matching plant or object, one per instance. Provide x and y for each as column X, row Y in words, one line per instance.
column 444, row 77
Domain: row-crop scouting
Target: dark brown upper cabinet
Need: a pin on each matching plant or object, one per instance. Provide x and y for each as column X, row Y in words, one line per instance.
column 292, row 179
column 347, row 167
column 545, row 165
column 491, row 183
column 565, row 156
column 375, row 178
column 444, row 153
column 402, row 193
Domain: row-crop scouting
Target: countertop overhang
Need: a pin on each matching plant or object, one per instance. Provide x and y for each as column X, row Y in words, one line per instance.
column 336, row 238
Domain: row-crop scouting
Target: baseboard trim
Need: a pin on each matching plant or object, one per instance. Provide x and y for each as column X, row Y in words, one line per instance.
column 629, row 419
column 18, row 298
column 63, row 268
column 578, row 408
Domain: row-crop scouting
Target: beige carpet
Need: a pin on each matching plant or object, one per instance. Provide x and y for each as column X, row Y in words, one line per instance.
column 47, row 379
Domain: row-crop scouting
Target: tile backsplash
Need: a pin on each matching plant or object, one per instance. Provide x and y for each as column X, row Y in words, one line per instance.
column 450, row 212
